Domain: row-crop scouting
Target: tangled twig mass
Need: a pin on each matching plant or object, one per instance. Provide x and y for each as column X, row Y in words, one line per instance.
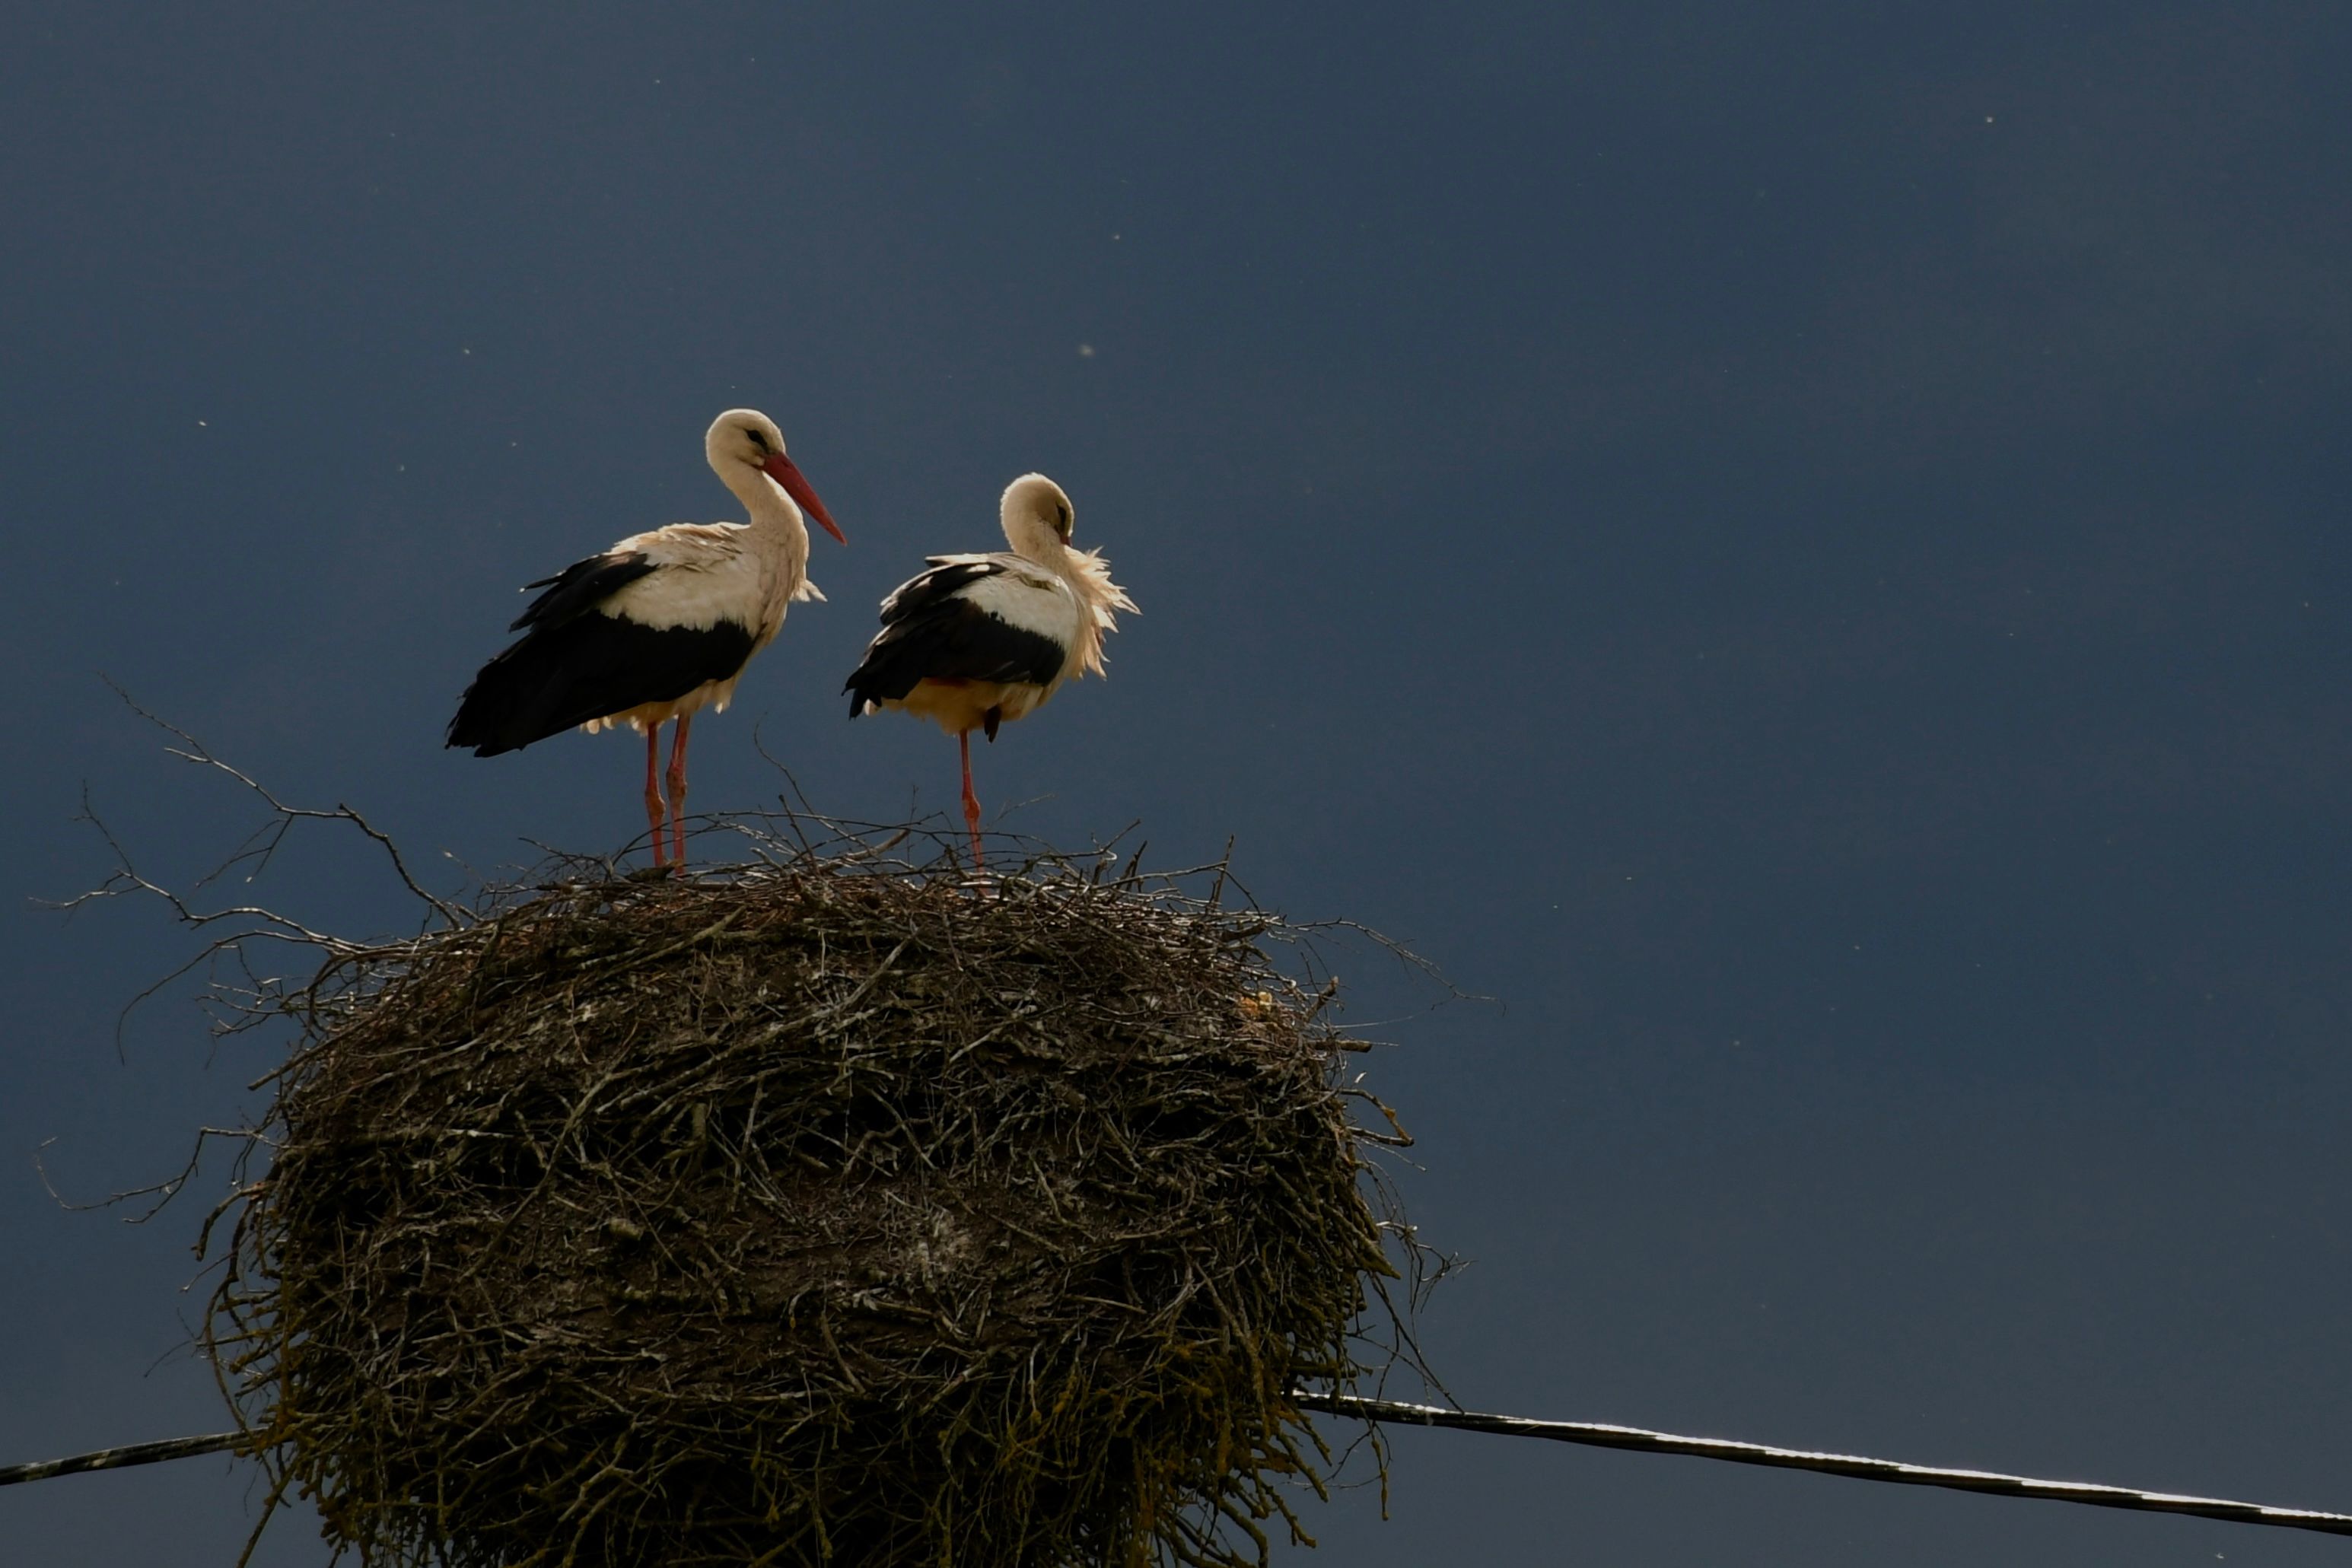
column 824, row 1209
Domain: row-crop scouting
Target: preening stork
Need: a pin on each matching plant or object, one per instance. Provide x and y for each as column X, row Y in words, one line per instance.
column 979, row 640
column 659, row 626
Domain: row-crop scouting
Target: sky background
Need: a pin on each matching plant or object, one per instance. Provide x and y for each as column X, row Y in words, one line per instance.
column 1799, row 549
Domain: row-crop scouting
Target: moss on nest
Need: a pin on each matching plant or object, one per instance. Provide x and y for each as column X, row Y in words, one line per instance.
column 811, row 1212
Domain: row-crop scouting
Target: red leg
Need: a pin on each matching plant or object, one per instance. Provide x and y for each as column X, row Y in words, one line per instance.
column 653, row 789
column 678, row 794
column 971, row 800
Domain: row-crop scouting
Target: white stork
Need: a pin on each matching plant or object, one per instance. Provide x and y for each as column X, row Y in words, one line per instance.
column 979, row 640
column 659, row 626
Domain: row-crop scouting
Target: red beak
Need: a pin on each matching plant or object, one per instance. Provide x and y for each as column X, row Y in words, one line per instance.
column 783, row 471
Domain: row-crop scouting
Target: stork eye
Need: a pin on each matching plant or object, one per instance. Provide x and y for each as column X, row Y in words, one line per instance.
column 1062, row 518
column 758, row 440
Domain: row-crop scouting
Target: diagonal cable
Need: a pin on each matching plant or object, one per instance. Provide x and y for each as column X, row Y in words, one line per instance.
column 115, row 1459
column 1601, row 1435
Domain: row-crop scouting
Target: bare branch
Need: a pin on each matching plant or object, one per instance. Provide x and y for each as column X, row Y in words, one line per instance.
column 163, row 1192
column 266, row 841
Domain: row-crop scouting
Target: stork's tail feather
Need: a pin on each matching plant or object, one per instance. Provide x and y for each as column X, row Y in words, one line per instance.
column 591, row 666
column 512, row 701
column 871, row 683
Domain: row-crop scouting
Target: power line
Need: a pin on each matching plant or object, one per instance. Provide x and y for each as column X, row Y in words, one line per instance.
column 1601, row 1435
column 115, row 1459
column 1592, row 1434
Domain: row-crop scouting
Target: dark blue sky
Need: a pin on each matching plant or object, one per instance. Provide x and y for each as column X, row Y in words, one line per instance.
column 1805, row 554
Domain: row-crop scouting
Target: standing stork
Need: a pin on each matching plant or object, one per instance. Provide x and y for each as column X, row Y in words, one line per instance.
column 979, row 640
column 659, row 626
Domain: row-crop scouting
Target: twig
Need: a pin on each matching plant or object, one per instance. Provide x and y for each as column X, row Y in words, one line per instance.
column 1601, row 1435
column 116, row 1458
column 263, row 845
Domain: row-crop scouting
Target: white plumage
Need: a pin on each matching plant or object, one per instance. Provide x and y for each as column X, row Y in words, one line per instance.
column 660, row 626
column 705, row 575
column 975, row 641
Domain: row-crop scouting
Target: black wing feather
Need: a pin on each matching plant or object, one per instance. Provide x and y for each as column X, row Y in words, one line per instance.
column 927, row 590
column 930, row 632
column 584, row 666
column 582, row 586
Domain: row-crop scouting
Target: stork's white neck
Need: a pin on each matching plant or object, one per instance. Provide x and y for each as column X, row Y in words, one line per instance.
column 1034, row 539
column 778, row 537
column 762, row 498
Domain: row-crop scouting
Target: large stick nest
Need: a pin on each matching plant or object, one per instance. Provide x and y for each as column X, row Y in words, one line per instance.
column 816, row 1211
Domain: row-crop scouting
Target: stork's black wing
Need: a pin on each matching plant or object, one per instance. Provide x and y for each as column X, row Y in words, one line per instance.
column 932, row 630
column 581, row 586
column 577, row 663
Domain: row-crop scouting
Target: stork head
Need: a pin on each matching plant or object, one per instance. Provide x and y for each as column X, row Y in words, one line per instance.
column 745, row 436
column 1037, row 524
column 1036, row 510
